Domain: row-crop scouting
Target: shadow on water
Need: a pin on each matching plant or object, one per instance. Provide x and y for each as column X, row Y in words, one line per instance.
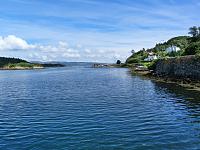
column 180, row 92
column 177, row 91
column 183, row 96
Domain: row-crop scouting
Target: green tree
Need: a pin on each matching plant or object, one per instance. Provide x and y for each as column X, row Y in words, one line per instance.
column 194, row 31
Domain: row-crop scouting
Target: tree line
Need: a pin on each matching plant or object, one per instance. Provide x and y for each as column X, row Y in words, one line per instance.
column 5, row 61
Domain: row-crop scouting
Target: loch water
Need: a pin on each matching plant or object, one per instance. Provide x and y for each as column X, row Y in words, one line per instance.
column 82, row 108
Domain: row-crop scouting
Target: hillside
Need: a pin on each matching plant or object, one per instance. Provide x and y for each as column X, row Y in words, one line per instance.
column 188, row 46
column 5, row 61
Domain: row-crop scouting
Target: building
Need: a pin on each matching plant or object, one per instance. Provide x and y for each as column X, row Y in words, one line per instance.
column 151, row 57
column 173, row 49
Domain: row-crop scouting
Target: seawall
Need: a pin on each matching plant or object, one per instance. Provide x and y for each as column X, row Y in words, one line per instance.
column 182, row 67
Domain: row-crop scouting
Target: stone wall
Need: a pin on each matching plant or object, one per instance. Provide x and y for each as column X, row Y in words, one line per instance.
column 182, row 67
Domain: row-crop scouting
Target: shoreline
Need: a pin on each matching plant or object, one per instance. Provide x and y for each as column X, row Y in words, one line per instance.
column 34, row 67
column 7, row 63
column 22, row 68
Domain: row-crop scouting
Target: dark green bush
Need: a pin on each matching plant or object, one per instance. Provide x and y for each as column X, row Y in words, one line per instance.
column 193, row 49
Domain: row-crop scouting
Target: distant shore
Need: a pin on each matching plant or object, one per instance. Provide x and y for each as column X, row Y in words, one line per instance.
column 32, row 67
column 106, row 65
column 21, row 68
column 7, row 63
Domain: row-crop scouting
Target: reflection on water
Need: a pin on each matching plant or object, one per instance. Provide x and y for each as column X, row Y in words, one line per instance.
column 186, row 98
column 190, row 98
column 180, row 91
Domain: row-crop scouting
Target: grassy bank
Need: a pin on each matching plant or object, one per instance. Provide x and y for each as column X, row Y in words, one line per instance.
column 21, row 66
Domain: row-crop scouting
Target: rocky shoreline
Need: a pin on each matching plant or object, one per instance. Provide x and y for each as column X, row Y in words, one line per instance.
column 190, row 84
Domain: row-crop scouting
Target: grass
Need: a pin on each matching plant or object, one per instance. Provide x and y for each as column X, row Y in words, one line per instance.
column 24, row 65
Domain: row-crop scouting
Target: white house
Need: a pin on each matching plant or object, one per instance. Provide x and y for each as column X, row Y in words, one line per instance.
column 151, row 57
column 173, row 49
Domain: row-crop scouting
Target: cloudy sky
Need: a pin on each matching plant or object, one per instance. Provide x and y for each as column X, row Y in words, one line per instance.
column 90, row 30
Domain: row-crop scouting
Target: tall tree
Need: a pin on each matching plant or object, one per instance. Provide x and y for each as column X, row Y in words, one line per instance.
column 194, row 31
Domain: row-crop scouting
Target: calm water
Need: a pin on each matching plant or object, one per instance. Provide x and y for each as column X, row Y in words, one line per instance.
column 81, row 108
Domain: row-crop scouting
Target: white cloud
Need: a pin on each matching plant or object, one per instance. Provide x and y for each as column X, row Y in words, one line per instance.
column 12, row 42
column 123, row 26
column 71, row 55
column 88, row 51
column 14, row 46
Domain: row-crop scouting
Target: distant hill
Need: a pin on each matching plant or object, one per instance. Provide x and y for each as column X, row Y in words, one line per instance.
column 52, row 65
column 20, row 64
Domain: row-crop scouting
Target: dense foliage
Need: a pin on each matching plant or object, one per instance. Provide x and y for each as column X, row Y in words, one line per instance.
column 5, row 61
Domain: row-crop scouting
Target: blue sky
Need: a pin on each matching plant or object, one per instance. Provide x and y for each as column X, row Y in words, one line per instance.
column 90, row 30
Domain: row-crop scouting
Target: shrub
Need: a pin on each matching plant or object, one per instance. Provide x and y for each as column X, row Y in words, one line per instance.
column 133, row 60
column 22, row 64
column 25, row 65
column 118, row 62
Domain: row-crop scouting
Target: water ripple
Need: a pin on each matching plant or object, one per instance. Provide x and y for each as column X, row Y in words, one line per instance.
column 80, row 108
